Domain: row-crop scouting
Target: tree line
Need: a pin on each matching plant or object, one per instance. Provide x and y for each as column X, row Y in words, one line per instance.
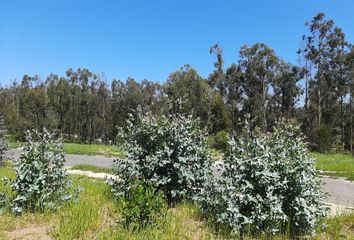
column 317, row 93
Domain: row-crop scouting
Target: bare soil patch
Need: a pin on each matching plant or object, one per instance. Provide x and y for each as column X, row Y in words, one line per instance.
column 31, row 232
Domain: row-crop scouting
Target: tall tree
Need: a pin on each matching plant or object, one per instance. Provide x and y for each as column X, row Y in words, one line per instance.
column 217, row 79
column 325, row 50
column 286, row 90
column 258, row 64
column 350, row 64
column 187, row 86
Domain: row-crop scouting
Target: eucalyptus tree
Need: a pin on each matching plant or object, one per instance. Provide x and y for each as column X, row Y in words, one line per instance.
column 286, row 91
column 350, row 64
column 235, row 99
column 340, row 74
column 258, row 64
column 217, row 79
column 192, row 90
column 325, row 50
column 58, row 91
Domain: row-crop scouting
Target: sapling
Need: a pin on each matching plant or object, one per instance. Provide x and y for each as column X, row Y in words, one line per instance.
column 41, row 180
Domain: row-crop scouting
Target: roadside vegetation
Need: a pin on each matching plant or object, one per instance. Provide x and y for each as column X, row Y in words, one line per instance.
column 93, row 149
column 78, row 148
column 167, row 183
column 95, row 169
column 334, row 164
column 337, row 162
column 95, row 215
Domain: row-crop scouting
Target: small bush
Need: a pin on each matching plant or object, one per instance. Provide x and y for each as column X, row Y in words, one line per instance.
column 41, row 181
column 268, row 184
column 219, row 141
column 3, row 147
column 168, row 152
column 142, row 205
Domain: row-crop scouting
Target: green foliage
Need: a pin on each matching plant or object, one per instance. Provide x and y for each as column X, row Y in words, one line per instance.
column 219, row 141
column 41, row 181
column 142, row 205
column 323, row 138
column 268, row 184
column 221, row 119
column 168, row 152
column 3, row 145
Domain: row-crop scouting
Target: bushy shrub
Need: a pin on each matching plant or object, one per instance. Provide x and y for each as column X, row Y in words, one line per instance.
column 168, row 152
column 268, row 184
column 3, row 147
column 142, row 205
column 219, row 141
column 41, row 180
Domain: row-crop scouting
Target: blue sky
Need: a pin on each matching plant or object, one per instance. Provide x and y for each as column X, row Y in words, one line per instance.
column 149, row 39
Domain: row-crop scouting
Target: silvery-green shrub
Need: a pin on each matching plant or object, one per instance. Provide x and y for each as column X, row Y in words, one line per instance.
column 142, row 205
column 169, row 152
column 41, row 181
column 267, row 184
column 3, row 147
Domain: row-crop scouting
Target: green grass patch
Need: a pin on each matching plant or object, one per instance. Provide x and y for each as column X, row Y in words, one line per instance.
column 14, row 145
column 338, row 227
column 11, row 142
column 334, row 162
column 93, row 149
column 95, row 169
column 95, row 215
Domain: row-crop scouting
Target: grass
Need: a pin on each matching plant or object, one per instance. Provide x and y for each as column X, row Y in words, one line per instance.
column 338, row 227
column 337, row 164
column 97, row 216
column 95, row 169
column 334, row 162
column 14, row 145
column 76, row 148
column 93, row 149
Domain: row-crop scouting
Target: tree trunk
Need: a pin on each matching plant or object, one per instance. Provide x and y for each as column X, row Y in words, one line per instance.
column 319, row 105
column 306, row 87
column 342, row 120
column 264, row 107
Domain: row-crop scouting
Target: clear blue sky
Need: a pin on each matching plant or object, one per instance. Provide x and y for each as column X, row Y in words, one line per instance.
column 149, row 39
